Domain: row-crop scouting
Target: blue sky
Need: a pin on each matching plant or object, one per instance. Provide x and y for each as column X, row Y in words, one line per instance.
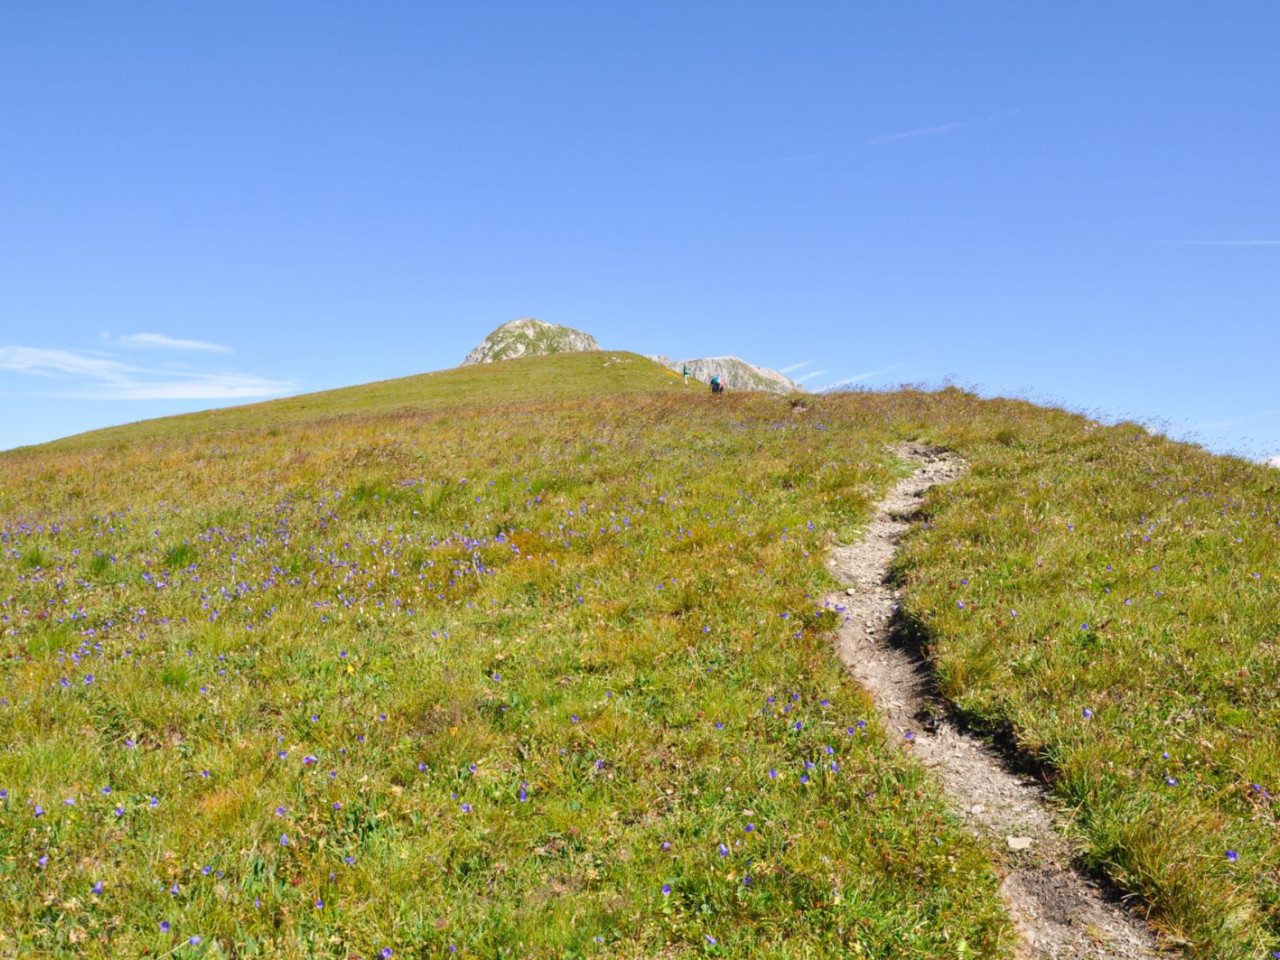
column 210, row 204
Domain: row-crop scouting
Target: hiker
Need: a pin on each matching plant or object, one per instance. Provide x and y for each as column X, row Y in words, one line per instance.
column 716, row 385
column 684, row 371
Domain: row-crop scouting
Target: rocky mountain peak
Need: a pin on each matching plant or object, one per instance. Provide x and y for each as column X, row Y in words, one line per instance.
column 528, row 337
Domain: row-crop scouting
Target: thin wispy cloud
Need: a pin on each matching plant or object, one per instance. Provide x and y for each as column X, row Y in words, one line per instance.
column 915, row 133
column 159, row 341
column 193, row 386
column 811, row 376
column 56, row 363
column 858, row 378
column 99, row 376
column 940, row 130
column 796, row 366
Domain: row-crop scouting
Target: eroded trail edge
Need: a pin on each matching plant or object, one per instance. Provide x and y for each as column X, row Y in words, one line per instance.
column 1059, row 913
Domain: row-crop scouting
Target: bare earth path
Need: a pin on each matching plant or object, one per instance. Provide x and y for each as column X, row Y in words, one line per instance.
column 1059, row 914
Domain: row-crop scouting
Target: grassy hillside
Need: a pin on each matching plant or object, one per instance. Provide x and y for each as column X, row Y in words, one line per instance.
column 1112, row 600
column 521, row 679
column 530, row 659
column 524, row 381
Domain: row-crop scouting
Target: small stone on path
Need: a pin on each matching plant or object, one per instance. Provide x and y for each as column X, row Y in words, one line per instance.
column 1018, row 843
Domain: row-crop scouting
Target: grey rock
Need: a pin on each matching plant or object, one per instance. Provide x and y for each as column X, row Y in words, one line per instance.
column 529, row 338
column 735, row 373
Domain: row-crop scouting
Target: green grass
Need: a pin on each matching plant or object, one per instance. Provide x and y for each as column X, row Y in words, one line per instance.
column 513, row 383
column 563, row 577
column 545, row 627
column 1085, row 568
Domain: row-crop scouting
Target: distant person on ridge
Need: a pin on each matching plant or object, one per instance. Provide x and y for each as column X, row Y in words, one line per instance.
column 684, row 371
column 716, row 385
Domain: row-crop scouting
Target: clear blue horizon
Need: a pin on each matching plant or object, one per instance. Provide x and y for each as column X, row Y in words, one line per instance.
column 204, row 206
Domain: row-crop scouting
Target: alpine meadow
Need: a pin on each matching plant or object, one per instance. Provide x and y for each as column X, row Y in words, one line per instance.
column 535, row 659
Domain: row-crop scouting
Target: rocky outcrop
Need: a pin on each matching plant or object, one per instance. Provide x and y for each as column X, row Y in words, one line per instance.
column 536, row 338
column 529, row 338
column 735, row 373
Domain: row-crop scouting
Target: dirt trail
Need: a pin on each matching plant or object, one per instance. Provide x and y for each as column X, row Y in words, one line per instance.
column 1059, row 914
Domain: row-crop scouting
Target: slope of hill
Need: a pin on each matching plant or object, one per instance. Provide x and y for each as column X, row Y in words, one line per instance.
column 456, row 662
column 529, row 338
column 527, row 381
column 520, row 678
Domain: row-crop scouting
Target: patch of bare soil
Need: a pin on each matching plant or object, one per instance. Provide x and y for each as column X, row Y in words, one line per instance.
column 1059, row 913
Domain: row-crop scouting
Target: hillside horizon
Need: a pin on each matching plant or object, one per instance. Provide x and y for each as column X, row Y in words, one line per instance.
column 400, row 389
column 911, row 592
column 550, row 643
